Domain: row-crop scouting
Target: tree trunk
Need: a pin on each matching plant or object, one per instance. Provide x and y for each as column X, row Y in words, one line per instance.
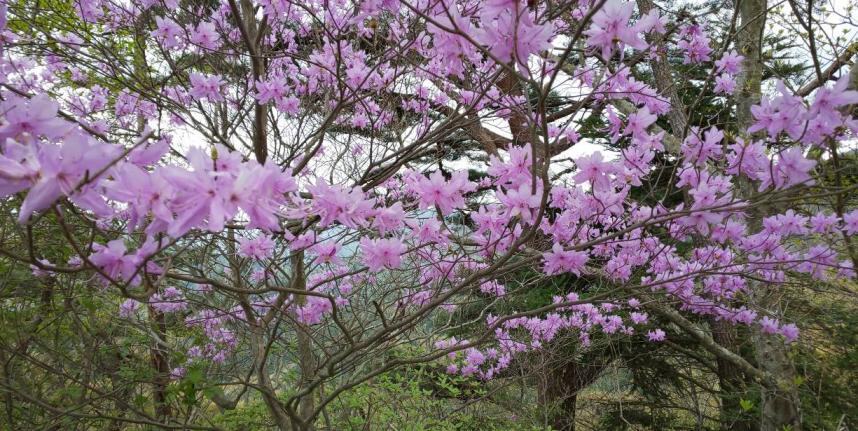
column 732, row 381
column 160, row 364
column 306, row 357
column 780, row 404
column 559, row 392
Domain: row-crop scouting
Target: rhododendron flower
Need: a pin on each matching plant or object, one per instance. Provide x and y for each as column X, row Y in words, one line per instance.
column 781, row 114
column 168, row 33
column 36, row 116
column 39, row 272
column 850, row 222
column 435, row 190
column 791, row 168
column 769, row 325
column 326, row 252
column 790, row 332
column 389, row 219
column 493, row 287
column 513, row 35
column 113, row 261
column 340, row 140
column 61, row 169
column 128, row 308
column 205, row 35
column 206, row 87
column 824, row 223
column 260, row 247
column 178, row 373
column 593, row 169
column 146, row 192
column 612, row 24
column 656, row 335
column 427, row 231
column 827, row 100
column 730, row 63
column 304, row 240
column 638, row 123
column 348, row 207
column 381, row 253
column 514, row 171
column 521, row 202
column 695, row 45
column 559, row 260
column 639, row 318
column 275, row 88
column 171, row 300
column 725, row 84
column 314, row 310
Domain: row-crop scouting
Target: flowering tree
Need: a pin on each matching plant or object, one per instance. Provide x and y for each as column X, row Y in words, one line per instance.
column 280, row 200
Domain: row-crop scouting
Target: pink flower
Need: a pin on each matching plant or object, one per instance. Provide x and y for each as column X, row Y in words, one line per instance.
column 349, row 207
column 206, row 36
column 514, row 35
column 145, row 192
column 258, row 248
column 493, row 287
column 850, row 222
column 769, row 325
column 275, row 88
column 435, row 190
column 790, row 332
column 730, row 63
column 427, row 231
column 312, row 312
column 326, row 252
column 521, row 202
column 205, row 87
column 591, row 168
column 656, row 335
column 289, row 105
column 168, row 33
column 783, row 113
column 304, row 240
column 127, row 308
column 113, row 260
column 474, row 357
column 558, row 260
column 695, row 45
column 39, row 272
column 178, row 373
column 638, row 123
column 36, row 116
column 381, row 253
column 388, row 219
column 827, row 100
column 748, row 159
column 725, row 84
column 792, row 168
column 89, row 10
column 514, row 171
column 611, row 24
column 639, row 318
column 824, row 223
column 171, row 300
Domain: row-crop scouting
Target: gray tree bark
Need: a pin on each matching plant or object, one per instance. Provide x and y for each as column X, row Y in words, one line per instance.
column 780, row 404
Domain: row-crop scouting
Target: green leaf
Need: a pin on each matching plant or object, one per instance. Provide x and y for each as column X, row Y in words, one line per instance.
column 195, row 375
